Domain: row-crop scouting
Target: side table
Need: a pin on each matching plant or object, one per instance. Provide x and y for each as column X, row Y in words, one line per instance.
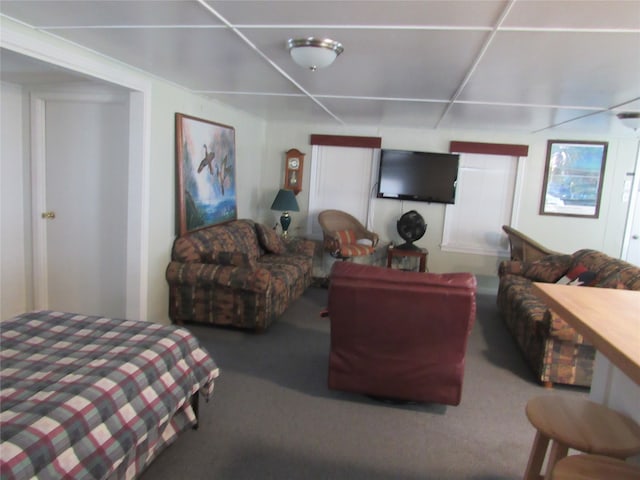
column 421, row 253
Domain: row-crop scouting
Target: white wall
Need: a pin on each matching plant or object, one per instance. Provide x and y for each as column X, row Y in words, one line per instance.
column 250, row 141
column 165, row 100
column 13, row 265
column 566, row 234
column 260, row 166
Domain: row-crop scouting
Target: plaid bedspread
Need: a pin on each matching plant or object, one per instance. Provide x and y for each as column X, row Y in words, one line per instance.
column 91, row 397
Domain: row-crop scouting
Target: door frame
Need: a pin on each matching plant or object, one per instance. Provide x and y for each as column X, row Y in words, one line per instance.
column 51, row 49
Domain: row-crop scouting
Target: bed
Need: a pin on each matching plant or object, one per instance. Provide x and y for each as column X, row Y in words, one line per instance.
column 93, row 397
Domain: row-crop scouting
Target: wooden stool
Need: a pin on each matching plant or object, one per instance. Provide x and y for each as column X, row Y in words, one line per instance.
column 579, row 424
column 594, row 467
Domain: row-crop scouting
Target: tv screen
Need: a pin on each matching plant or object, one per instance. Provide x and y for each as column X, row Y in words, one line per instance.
column 418, row 176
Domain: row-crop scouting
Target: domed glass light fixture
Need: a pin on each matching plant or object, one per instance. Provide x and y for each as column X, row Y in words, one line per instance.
column 630, row 119
column 314, row 53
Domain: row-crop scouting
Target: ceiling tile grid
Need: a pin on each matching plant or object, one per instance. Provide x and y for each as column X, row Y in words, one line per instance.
column 522, row 65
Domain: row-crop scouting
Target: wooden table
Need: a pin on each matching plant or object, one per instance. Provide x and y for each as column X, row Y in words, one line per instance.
column 421, row 253
column 608, row 318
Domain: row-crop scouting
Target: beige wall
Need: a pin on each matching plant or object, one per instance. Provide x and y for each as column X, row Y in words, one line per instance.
column 559, row 233
column 260, row 164
column 250, row 140
column 165, row 100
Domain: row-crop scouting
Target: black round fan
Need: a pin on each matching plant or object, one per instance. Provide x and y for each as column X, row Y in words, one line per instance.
column 411, row 227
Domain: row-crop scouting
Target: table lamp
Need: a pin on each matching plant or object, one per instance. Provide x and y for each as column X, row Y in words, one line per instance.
column 285, row 201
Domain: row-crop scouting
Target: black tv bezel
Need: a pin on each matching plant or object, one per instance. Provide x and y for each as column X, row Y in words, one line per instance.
column 415, row 197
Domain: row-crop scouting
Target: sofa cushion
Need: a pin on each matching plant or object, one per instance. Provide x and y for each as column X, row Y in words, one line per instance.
column 548, row 269
column 235, row 259
column 578, row 275
column 269, row 239
column 236, row 236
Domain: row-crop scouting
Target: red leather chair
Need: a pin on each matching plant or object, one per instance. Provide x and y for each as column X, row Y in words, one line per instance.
column 399, row 335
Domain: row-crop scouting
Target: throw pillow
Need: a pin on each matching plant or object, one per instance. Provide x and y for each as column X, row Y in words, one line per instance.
column 269, row 239
column 235, row 259
column 578, row 275
column 548, row 269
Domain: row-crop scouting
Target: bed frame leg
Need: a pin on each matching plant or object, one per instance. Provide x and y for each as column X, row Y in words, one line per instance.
column 195, row 404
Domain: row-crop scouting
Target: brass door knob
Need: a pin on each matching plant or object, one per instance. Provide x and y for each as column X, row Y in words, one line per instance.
column 48, row 215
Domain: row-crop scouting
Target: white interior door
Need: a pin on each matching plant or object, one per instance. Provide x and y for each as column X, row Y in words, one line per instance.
column 631, row 241
column 633, row 245
column 83, row 196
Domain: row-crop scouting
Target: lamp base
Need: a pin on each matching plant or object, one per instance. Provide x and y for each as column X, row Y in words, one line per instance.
column 285, row 221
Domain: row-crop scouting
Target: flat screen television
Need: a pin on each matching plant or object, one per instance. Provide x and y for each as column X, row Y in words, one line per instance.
column 418, row 176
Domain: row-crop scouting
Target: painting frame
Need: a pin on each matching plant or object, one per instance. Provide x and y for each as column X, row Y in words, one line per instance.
column 573, row 175
column 205, row 173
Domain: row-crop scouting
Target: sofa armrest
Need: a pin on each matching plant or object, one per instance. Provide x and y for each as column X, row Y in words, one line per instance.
column 211, row 275
column 561, row 330
column 510, row 267
column 374, row 238
column 301, row 246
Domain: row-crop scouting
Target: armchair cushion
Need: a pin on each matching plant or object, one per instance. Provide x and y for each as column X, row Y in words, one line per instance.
column 355, row 250
column 269, row 239
column 346, row 237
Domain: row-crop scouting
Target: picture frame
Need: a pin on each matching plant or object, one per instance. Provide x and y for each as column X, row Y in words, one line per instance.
column 205, row 173
column 573, row 175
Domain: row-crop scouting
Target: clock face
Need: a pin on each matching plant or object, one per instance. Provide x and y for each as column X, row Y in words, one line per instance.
column 294, row 163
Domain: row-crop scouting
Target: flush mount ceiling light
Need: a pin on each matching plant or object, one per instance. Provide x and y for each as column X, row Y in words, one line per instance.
column 630, row 119
column 314, row 53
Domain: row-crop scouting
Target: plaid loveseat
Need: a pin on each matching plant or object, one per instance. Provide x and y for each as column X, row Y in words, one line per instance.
column 553, row 349
column 240, row 274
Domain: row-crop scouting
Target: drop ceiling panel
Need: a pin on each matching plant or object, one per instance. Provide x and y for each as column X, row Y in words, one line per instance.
column 357, row 13
column 199, row 59
column 99, row 12
column 560, row 121
column 390, row 63
column 558, row 68
column 295, row 108
column 566, row 14
column 386, row 113
column 494, row 117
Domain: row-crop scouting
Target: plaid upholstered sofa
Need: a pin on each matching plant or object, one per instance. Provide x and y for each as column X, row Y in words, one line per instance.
column 553, row 349
column 240, row 274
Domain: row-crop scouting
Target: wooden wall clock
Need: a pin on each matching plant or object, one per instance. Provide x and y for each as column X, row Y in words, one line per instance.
column 294, row 161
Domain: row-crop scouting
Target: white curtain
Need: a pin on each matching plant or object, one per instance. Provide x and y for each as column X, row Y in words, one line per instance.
column 342, row 178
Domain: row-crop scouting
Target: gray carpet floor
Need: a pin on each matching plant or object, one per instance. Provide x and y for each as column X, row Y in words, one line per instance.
column 272, row 416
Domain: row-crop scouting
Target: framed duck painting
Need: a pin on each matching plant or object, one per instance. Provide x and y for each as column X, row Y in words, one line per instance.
column 205, row 173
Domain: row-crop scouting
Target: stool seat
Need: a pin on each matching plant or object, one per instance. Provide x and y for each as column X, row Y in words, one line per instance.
column 594, row 467
column 578, row 424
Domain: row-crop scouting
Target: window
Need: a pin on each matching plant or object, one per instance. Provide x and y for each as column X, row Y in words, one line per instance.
column 486, row 194
column 342, row 178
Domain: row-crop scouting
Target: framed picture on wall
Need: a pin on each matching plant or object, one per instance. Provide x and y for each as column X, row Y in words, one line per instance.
column 573, row 178
column 205, row 171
